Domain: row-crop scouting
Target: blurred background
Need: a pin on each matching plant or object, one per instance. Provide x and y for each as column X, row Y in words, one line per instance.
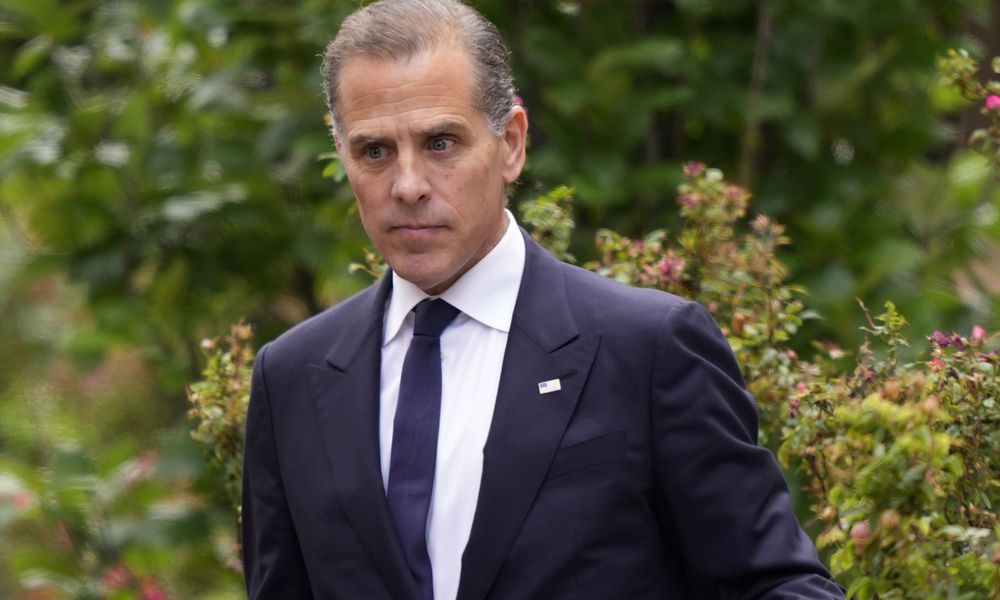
column 166, row 170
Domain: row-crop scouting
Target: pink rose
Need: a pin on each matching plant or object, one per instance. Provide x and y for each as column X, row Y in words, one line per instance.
column 993, row 102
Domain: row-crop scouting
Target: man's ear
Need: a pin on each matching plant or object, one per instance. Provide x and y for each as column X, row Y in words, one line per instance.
column 515, row 139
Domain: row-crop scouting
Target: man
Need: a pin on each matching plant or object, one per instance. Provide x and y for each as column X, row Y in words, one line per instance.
column 537, row 431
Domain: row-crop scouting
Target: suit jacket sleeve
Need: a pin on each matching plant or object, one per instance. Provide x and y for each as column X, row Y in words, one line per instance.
column 721, row 495
column 272, row 559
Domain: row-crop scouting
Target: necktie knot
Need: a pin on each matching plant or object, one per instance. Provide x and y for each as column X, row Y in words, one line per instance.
column 433, row 316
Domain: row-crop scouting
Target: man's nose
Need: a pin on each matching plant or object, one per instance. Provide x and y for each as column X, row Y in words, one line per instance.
column 410, row 184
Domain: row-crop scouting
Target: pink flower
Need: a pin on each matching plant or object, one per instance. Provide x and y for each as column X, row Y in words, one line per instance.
column 671, row 269
column 116, row 577
column 793, row 408
column 151, row 590
column 861, row 534
column 945, row 340
column 734, row 192
column 978, row 333
column 835, row 351
column 690, row 200
column 694, row 169
column 993, row 102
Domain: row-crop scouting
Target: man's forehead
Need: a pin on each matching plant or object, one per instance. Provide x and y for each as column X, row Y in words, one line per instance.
column 432, row 60
column 427, row 86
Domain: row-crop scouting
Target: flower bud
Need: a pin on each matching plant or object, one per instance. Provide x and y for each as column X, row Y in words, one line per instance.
column 891, row 390
column 861, row 534
column 890, row 519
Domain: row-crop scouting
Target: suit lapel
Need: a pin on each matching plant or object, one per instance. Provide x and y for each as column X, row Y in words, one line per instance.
column 543, row 344
column 346, row 398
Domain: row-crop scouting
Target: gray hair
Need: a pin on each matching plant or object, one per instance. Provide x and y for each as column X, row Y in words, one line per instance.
column 400, row 29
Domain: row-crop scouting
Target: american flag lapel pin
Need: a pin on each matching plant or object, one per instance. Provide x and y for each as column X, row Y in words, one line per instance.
column 547, row 387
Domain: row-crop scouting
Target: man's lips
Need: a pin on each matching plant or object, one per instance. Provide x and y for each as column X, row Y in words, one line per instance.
column 415, row 227
column 416, row 232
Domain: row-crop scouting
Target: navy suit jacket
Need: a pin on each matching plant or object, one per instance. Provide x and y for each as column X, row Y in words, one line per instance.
column 640, row 478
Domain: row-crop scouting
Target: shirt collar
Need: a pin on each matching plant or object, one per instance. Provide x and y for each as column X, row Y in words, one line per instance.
column 486, row 292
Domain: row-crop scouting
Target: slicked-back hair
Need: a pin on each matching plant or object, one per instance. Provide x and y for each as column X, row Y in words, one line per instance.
column 400, row 29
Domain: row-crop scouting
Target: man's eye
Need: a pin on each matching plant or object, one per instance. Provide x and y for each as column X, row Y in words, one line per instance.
column 441, row 144
column 375, row 152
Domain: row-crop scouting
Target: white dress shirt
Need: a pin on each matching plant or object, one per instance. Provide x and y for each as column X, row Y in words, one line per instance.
column 472, row 350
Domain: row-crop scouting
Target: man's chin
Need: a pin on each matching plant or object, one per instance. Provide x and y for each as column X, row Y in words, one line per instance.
column 421, row 276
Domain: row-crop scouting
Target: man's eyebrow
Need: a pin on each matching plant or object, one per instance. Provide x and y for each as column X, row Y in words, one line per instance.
column 364, row 140
column 444, row 127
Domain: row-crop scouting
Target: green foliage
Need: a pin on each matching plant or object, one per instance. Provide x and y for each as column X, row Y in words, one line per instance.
column 117, row 525
column 549, row 217
column 827, row 110
column 159, row 176
column 97, row 500
column 163, row 155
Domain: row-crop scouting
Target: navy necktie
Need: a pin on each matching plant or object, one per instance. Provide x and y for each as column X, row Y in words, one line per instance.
column 415, row 436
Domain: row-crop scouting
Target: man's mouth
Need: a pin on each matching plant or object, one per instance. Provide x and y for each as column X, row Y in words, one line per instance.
column 416, row 231
column 415, row 227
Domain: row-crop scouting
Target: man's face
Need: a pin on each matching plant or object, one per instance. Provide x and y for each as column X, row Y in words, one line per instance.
column 428, row 173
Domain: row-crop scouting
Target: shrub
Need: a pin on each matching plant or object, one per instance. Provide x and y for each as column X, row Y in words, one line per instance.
column 960, row 72
column 737, row 277
column 903, row 466
column 219, row 404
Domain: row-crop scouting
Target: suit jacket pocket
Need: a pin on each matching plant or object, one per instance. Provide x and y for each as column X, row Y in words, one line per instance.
column 606, row 447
